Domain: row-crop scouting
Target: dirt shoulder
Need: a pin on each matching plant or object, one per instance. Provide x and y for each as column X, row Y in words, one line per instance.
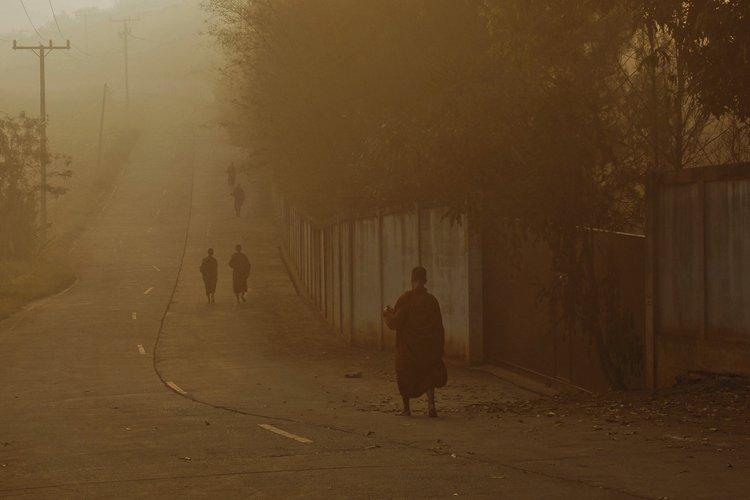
column 23, row 281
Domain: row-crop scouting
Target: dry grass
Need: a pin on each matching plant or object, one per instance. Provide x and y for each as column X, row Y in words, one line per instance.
column 24, row 281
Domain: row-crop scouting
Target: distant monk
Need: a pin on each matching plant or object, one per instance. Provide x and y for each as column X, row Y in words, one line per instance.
column 240, row 272
column 231, row 174
column 210, row 271
column 420, row 339
column 239, row 198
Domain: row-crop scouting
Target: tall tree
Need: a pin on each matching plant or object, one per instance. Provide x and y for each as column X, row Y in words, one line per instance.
column 719, row 56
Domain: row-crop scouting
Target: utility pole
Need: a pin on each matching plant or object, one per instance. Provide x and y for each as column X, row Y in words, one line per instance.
column 125, row 33
column 42, row 51
column 101, row 128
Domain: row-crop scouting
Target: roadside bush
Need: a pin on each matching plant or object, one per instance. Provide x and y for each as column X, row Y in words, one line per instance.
column 19, row 164
column 22, row 281
column 20, row 184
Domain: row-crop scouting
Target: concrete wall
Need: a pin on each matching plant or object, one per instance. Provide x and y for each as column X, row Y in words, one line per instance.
column 367, row 305
column 334, row 310
column 347, row 279
column 400, row 249
column 352, row 269
column 700, row 273
column 444, row 254
column 491, row 310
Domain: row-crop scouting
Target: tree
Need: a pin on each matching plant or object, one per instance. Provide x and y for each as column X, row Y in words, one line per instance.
column 499, row 108
column 719, row 56
column 19, row 159
column 19, row 184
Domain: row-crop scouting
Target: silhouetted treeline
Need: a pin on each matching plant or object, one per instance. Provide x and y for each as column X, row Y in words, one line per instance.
column 536, row 109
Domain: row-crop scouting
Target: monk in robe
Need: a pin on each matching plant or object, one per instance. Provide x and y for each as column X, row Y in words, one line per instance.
column 210, row 271
column 239, row 199
column 240, row 271
column 420, row 339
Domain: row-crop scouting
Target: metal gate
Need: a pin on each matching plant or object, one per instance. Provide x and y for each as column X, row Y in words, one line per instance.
column 698, row 273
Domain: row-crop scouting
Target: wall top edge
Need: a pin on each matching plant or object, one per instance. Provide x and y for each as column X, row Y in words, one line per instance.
column 361, row 215
column 708, row 173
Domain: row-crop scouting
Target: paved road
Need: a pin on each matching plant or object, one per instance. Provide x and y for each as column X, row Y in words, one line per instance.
column 129, row 385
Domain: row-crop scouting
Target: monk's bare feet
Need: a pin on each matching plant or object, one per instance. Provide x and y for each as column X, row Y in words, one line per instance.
column 406, row 406
column 432, row 412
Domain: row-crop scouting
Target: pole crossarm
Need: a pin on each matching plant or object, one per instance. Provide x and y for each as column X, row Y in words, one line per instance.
column 41, row 46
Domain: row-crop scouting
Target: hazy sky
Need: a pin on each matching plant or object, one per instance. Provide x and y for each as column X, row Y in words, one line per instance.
column 12, row 16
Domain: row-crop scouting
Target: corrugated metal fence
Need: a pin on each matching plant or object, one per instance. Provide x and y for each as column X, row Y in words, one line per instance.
column 698, row 275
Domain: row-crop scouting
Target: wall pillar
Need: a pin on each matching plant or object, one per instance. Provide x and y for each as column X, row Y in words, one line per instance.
column 475, row 346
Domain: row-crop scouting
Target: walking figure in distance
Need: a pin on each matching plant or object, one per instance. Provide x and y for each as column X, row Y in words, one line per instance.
column 210, row 271
column 420, row 340
column 231, row 174
column 240, row 272
column 239, row 198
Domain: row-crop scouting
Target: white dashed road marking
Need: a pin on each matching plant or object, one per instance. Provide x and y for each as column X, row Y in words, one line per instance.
column 141, row 349
column 175, row 387
column 148, row 290
column 134, row 315
column 286, row 434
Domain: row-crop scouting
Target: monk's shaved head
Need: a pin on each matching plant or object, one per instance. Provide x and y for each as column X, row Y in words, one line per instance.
column 419, row 275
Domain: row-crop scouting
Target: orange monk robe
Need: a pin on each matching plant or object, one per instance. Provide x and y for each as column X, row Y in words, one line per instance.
column 420, row 339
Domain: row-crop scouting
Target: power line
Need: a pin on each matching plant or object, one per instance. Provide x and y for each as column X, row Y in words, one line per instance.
column 54, row 16
column 144, row 39
column 30, row 21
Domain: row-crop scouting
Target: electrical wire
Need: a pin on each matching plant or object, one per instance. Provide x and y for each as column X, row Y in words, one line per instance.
column 141, row 38
column 30, row 21
column 54, row 16
column 80, row 50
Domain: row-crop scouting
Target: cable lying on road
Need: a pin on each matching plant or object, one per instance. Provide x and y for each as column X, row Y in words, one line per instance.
column 155, row 358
